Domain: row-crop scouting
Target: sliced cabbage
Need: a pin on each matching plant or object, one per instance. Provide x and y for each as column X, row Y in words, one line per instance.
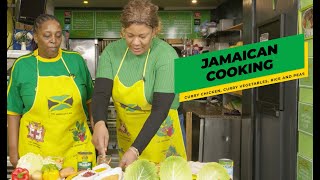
column 213, row 171
column 175, row 168
column 141, row 170
column 31, row 161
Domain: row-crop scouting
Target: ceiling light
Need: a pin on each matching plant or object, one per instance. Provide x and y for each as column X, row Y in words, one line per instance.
column 194, row 1
column 85, row 2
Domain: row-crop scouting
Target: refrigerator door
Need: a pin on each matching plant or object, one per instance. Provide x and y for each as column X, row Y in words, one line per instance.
column 87, row 48
column 269, row 105
column 275, row 118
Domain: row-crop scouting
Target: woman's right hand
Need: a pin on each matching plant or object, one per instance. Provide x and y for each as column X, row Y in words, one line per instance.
column 100, row 137
column 14, row 159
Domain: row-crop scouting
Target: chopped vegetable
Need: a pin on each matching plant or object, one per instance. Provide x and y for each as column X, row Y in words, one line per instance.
column 88, row 174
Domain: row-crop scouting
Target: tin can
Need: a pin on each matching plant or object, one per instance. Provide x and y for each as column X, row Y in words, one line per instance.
column 228, row 165
column 84, row 160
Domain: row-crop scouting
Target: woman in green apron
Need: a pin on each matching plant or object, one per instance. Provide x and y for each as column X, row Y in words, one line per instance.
column 138, row 72
column 48, row 99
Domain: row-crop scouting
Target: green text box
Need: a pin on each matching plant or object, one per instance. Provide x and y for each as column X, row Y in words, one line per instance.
column 191, row 73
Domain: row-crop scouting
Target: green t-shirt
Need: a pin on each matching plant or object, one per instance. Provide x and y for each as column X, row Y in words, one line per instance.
column 159, row 76
column 23, row 79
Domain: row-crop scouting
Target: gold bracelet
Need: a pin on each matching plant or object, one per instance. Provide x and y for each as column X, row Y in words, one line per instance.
column 135, row 150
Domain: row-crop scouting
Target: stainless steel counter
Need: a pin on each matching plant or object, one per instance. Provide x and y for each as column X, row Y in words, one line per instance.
column 211, row 135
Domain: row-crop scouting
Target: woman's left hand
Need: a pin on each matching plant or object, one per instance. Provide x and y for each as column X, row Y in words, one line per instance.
column 128, row 158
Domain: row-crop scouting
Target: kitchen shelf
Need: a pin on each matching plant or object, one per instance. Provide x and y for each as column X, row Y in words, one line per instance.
column 12, row 54
column 237, row 27
column 234, row 28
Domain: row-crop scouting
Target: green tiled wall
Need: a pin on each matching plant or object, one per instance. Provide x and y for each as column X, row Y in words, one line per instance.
column 306, row 95
column 304, row 168
column 308, row 81
column 305, row 3
column 305, row 111
column 305, row 146
column 305, row 118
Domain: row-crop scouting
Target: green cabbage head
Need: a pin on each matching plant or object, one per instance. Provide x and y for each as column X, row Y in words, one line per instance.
column 213, row 171
column 175, row 168
column 141, row 169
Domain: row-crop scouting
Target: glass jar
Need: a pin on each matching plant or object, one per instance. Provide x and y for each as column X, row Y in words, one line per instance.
column 102, row 158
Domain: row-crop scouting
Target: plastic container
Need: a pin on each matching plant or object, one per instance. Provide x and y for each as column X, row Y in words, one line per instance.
column 102, row 168
column 86, row 175
column 115, row 172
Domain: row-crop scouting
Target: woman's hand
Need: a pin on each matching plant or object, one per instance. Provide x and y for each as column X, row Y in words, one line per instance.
column 100, row 137
column 14, row 159
column 129, row 157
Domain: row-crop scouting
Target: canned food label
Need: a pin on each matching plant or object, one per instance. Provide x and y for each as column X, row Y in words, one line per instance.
column 228, row 165
column 85, row 160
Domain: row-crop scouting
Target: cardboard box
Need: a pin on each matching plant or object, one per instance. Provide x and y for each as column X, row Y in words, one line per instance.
column 225, row 24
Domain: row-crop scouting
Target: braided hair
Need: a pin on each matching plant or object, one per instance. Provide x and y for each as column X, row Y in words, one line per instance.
column 41, row 19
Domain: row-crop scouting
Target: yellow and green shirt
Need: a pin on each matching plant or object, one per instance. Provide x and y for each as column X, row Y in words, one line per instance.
column 23, row 79
column 159, row 75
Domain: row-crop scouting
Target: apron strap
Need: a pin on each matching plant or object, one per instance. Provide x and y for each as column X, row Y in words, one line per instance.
column 65, row 65
column 145, row 63
column 122, row 61
column 37, row 67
